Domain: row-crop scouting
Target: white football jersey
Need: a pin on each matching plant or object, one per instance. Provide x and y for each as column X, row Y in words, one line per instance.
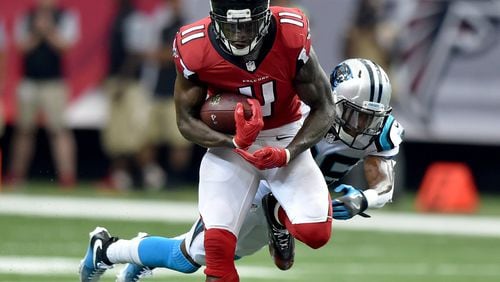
column 336, row 159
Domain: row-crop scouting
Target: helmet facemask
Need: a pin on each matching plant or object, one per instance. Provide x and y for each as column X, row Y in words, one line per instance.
column 241, row 30
column 357, row 126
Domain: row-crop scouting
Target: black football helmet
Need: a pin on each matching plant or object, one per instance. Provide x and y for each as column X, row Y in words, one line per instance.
column 240, row 24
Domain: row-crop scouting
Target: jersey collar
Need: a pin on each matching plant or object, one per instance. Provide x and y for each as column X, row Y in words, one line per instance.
column 240, row 62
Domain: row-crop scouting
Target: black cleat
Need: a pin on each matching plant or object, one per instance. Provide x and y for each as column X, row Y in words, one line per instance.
column 281, row 242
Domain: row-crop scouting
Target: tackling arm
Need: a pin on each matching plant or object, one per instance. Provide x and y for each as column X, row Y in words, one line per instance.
column 188, row 98
column 313, row 88
column 379, row 174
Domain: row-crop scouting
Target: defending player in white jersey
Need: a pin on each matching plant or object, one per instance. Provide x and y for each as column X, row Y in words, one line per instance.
column 364, row 131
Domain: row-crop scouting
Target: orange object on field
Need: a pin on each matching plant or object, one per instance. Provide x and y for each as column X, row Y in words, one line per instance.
column 448, row 187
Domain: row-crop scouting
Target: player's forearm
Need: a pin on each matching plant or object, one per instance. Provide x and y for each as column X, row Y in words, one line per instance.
column 199, row 133
column 313, row 89
column 314, row 129
column 379, row 174
column 188, row 98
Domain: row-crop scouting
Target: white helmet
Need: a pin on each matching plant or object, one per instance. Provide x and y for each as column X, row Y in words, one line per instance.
column 361, row 92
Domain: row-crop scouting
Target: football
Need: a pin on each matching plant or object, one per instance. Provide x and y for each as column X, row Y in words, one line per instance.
column 218, row 111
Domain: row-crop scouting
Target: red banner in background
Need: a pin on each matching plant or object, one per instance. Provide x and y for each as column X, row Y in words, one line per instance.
column 85, row 64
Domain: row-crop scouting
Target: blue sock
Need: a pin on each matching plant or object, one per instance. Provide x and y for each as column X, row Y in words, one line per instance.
column 164, row 252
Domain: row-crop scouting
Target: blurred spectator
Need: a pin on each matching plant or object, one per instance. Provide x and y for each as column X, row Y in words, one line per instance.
column 3, row 47
column 43, row 36
column 362, row 38
column 124, row 136
column 163, row 126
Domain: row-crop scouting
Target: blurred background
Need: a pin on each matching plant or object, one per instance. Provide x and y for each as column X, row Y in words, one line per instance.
column 86, row 111
column 442, row 56
column 108, row 63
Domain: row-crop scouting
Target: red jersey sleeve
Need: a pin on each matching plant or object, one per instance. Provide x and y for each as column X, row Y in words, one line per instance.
column 191, row 48
column 293, row 26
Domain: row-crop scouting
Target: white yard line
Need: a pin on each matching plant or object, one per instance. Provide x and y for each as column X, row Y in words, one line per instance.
column 149, row 210
column 425, row 224
column 121, row 209
column 50, row 266
column 406, row 269
column 69, row 266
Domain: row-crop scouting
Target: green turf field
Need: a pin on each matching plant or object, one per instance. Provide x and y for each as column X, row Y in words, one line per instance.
column 349, row 256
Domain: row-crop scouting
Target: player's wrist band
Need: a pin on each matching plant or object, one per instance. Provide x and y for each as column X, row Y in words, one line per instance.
column 236, row 144
column 287, row 156
column 372, row 197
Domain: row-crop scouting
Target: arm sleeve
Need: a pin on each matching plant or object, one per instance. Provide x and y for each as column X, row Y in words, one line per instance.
column 381, row 194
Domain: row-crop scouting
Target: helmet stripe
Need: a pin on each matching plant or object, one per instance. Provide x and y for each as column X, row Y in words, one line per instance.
column 372, row 81
column 380, row 85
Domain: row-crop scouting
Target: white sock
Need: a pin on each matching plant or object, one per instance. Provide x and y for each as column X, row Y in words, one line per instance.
column 124, row 251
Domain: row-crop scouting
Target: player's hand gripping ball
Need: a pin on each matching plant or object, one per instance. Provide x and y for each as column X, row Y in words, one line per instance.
column 218, row 111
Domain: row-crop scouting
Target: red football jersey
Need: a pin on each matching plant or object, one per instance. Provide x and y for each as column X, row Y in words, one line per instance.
column 268, row 78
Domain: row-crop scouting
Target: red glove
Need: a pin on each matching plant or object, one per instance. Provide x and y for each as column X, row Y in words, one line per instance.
column 247, row 130
column 267, row 157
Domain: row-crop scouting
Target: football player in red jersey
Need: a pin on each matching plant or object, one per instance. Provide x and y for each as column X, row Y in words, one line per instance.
column 262, row 52
column 265, row 53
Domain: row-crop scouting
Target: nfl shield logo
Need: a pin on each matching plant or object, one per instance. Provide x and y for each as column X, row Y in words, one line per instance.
column 250, row 65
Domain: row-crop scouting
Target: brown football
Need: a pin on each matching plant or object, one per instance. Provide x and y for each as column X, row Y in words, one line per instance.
column 218, row 111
